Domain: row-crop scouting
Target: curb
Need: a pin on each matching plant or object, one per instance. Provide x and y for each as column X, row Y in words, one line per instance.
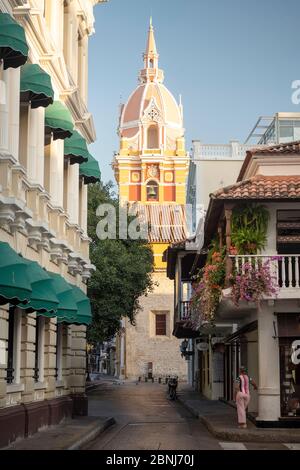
column 188, row 407
column 88, row 388
column 92, row 434
column 246, row 436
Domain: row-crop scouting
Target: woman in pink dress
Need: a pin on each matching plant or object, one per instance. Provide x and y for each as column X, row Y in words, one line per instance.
column 242, row 395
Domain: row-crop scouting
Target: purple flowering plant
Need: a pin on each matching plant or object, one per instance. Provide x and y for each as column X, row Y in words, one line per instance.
column 208, row 290
column 252, row 282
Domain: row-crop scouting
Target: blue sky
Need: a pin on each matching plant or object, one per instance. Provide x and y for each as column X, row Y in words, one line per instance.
column 232, row 60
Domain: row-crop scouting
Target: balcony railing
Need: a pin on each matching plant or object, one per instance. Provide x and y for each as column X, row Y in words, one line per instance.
column 185, row 310
column 285, row 268
column 231, row 151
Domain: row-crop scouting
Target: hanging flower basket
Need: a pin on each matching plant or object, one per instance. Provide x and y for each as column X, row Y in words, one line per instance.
column 251, row 283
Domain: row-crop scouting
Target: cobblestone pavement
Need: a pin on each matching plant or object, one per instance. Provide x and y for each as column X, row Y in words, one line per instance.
column 147, row 420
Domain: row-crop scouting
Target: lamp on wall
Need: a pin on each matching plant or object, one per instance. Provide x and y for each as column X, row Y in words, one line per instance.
column 183, row 349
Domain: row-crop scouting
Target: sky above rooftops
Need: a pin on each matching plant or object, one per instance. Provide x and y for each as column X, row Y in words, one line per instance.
column 231, row 61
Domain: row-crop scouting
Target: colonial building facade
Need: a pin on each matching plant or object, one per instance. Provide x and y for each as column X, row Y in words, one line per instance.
column 45, row 167
column 259, row 332
column 151, row 168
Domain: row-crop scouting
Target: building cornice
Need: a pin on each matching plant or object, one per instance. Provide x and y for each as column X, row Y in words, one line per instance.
column 43, row 50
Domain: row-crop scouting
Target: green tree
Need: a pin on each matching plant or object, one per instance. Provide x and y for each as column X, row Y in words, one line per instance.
column 123, row 271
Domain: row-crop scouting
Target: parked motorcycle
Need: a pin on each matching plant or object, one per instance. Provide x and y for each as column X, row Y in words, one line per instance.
column 172, row 386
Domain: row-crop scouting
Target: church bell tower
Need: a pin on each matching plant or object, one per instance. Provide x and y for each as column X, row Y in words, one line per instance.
column 151, row 169
column 152, row 163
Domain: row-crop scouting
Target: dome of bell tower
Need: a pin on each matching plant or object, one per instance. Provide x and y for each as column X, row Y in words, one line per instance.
column 152, row 163
column 151, row 103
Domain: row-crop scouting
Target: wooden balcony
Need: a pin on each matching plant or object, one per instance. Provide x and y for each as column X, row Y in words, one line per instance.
column 183, row 327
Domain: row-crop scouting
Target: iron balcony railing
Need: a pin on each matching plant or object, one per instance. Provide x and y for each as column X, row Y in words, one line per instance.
column 185, row 310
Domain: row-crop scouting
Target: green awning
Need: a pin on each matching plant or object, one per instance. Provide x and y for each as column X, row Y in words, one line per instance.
column 13, row 45
column 36, row 86
column 76, row 148
column 58, row 121
column 43, row 298
column 84, row 313
column 67, row 307
column 90, row 171
column 15, row 286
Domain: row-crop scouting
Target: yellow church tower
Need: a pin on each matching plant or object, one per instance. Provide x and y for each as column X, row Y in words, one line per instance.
column 151, row 169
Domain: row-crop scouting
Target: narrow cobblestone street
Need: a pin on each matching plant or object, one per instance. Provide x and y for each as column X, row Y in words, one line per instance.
column 147, row 420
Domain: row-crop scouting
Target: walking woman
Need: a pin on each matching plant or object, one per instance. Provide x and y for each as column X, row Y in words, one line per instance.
column 242, row 395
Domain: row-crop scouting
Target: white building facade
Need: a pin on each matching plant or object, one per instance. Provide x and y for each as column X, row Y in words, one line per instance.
column 45, row 169
column 212, row 166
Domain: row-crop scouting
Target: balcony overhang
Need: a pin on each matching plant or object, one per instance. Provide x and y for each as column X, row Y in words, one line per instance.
column 249, row 327
column 228, row 311
column 184, row 329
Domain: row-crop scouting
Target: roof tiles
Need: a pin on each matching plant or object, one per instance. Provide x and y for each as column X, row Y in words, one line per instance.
column 262, row 187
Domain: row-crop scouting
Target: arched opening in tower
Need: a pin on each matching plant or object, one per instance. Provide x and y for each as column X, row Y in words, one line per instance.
column 152, row 191
column 153, row 139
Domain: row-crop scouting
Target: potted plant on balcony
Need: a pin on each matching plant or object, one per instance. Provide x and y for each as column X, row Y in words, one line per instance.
column 249, row 228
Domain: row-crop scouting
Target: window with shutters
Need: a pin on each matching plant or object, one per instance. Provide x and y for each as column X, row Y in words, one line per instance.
column 14, row 346
column 39, row 349
column 161, row 324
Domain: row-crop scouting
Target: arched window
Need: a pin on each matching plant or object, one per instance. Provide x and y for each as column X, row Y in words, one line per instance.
column 152, row 191
column 153, row 141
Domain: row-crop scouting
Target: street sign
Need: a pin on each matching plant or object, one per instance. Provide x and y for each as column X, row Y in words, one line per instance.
column 202, row 346
column 217, row 339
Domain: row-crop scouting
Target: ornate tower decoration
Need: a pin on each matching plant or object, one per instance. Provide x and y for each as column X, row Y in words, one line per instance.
column 152, row 163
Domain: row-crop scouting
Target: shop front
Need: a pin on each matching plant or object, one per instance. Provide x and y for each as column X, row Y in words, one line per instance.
column 240, row 350
column 289, row 357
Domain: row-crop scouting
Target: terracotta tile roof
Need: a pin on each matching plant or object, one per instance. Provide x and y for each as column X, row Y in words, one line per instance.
column 166, row 222
column 289, row 147
column 273, row 150
column 262, row 187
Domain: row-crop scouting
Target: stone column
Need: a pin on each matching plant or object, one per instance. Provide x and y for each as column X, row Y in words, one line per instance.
column 78, row 377
column 10, row 112
column 73, row 194
column 14, row 112
column 83, row 68
column 4, row 110
column 67, row 356
column 84, row 206
column 56, row 172
column 3, row 356
column 50, row 357
column 71, row 38
column 268, row 365
column 36, row 135
column 27, row 356
column 55, row 21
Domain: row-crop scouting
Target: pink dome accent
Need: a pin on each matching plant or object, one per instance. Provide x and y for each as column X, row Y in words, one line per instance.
column 140, row 100
column 130, row 111
column 129, row 133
